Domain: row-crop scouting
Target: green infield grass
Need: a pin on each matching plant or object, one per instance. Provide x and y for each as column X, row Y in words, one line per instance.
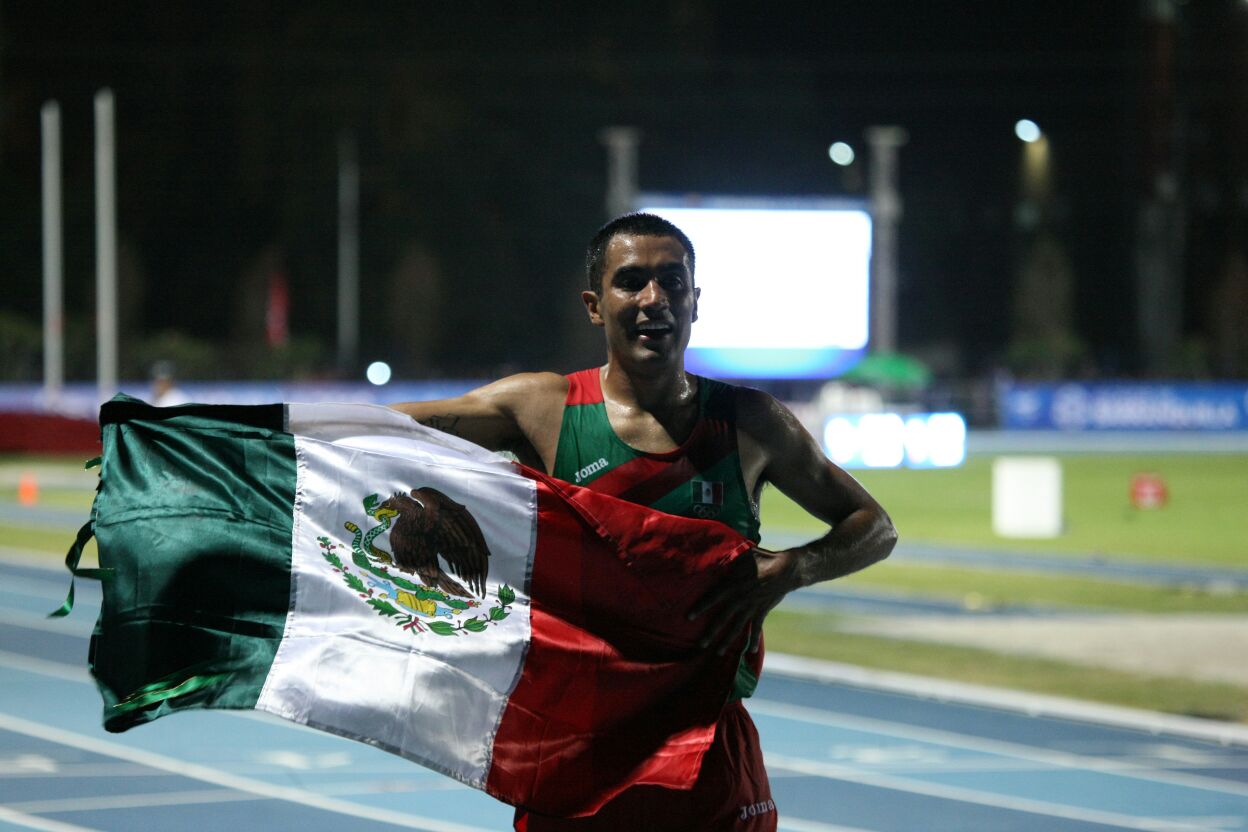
column 985, row 589
column 62, row 483
column 817, row 636
column 72, row 498
column 57, row 462
column 1206, row 520
column 40, row 541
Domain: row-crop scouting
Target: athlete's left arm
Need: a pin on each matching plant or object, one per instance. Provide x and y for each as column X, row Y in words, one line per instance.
column 776, row 446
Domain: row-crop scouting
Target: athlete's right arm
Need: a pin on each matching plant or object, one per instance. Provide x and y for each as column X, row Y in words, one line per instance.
column 516, row 414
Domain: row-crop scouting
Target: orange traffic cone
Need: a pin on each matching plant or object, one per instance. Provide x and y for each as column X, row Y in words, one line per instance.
column 27, row 489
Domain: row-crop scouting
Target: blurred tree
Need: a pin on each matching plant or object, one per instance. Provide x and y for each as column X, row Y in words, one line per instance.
column 21, row 348
column 411, row 314
column 1229, row 313
column 249, row 331
column 131, row 287
column 191, row 357
column 1043, row 342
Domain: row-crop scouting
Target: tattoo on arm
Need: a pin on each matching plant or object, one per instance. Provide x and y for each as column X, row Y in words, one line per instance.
column 446, row 423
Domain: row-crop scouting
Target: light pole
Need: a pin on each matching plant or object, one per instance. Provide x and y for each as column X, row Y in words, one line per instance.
column 1160, row 222
column 621, row 144
column 886, row 215
column 348, row 252
column 105, row 245
column 1043, row 332
column 1036, row 173
column 53, row 283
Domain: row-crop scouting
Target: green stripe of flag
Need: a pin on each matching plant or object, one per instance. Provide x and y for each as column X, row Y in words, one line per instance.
column 194, row 517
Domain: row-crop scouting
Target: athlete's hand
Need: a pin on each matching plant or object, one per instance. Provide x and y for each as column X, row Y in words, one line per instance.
column 755, row 584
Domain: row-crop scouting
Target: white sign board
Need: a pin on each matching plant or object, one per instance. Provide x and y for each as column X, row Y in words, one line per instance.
column 1027, row 496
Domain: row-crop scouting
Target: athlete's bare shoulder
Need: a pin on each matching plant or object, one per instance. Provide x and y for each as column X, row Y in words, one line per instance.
column 525, row 390
column 760, row 421
column 516, row 413
column 760, row 413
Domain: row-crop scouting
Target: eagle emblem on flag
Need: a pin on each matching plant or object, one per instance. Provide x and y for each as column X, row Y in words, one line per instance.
column 426, row 529
column 426, row 524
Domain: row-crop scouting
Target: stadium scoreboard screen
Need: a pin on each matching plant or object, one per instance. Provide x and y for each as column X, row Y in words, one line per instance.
column 784, row 283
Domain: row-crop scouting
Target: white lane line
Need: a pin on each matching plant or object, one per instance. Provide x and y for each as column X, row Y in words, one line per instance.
column 35, row 587
column 217, row 777
column 947, row 766
column 31, row 822
column 104, row 803
column 788, row 824
column 77, row 627
column 1032, row 704
column 43, row 667
column 394, row 781
column 187, row 797
column 1062, row 759
column 33, row 558
column 965, row 795
column 85, row 771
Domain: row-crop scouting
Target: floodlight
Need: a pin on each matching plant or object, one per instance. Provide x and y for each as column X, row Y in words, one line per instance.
column 378, row 373
column 841, row 153
column 1027, row 130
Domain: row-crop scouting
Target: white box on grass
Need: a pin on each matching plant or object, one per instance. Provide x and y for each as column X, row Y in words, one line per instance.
column 1027, row 496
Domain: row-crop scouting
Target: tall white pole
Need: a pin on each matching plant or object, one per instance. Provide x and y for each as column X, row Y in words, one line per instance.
column 105, row 246
column 348, row 253
column 885, row 215
column 621, row 144
column 53, row 278
column 1160, row 221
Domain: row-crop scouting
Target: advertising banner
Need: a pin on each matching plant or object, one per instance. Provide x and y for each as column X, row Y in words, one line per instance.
column 1124, row 406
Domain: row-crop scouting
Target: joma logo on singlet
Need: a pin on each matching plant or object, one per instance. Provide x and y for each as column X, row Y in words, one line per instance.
column 755, row 809
column 590, row 469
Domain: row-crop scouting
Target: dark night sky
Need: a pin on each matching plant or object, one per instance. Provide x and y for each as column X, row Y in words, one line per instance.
column 483, row 176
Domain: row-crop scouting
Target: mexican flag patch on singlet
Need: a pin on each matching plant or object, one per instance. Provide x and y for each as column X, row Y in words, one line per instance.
column 707, row 493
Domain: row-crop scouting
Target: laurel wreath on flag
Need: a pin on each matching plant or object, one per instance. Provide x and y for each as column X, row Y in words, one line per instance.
column 406, row 620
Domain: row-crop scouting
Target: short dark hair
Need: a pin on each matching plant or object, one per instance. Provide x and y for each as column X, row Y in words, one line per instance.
column 637, row 224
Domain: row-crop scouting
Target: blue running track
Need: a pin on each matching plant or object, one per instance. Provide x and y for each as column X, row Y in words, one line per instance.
column 843, row 757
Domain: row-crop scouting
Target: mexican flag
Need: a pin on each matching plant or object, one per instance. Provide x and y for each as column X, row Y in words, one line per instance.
column 343, row 567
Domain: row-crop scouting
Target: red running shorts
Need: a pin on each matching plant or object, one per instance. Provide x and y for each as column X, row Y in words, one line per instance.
column 732, row 793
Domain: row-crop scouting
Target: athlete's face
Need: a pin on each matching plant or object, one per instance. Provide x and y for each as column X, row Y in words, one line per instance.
column 648, row 300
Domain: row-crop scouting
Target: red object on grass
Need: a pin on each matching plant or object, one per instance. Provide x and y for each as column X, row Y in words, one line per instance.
column 1149, row 491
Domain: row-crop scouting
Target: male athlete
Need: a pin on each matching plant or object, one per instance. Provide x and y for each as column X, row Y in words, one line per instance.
column 643, row 429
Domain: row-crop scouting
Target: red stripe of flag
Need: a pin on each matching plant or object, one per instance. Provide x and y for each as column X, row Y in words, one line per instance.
column 615, row 691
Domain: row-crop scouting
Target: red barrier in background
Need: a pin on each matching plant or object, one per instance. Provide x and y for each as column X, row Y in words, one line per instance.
column 28, row 432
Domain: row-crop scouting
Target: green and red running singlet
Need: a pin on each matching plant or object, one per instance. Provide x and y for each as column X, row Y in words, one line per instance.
column 701, row 478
